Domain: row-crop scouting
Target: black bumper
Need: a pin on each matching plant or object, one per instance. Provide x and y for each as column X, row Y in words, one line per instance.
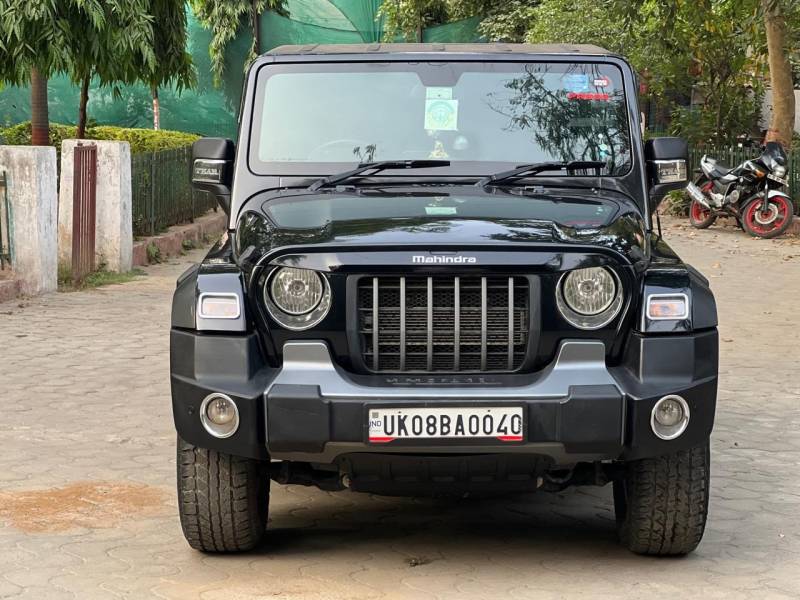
column 308, row 416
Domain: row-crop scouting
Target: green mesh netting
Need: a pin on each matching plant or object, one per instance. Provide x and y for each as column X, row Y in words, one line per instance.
column 212, row 111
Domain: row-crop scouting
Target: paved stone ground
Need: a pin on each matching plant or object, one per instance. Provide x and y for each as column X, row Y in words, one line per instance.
column 87, row 501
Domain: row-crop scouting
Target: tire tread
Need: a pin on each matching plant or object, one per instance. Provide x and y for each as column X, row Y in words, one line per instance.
column 222, row 499
column 666, row 502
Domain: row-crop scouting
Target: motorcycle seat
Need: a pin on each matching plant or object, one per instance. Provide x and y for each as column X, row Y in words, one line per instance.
column 716, row 169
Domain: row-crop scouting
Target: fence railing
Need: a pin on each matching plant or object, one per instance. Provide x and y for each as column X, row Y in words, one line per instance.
column 732, row 156
column 162, row 193
column 5, row 223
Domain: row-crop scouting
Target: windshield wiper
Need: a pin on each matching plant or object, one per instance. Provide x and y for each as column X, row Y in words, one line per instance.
column 533, row 168
column 375, row 167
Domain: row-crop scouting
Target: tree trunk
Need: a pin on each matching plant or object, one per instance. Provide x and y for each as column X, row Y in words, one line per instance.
column 781, row 125
column 84, row 100
column 156, row 109
column 40, row 120
column 256, row 32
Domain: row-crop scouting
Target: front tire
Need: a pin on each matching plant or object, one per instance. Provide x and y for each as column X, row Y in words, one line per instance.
column 662, row 503
column 222, row 499
column 767, row 221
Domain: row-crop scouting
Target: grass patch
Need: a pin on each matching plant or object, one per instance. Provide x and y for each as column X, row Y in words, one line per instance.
column 96, row 279
column 153, row 253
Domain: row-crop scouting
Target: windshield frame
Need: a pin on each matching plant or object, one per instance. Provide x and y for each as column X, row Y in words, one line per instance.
column 458, row 168
column 248, row 183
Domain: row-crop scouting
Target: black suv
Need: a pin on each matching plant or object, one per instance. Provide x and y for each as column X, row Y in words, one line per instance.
column 441, row 276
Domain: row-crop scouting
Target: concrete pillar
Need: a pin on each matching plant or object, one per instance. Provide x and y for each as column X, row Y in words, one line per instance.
column 33, row 204
column 114, row 217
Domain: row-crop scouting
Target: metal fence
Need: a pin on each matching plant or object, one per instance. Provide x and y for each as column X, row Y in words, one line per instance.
column 734, row 155
column 162, row 192
column 84, row 210
column 5, row 223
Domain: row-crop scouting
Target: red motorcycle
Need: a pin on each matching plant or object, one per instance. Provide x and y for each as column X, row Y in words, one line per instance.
column 753, row 193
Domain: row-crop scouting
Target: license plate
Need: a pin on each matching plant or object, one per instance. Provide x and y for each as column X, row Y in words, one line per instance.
column 778, row 179
column 503, row 423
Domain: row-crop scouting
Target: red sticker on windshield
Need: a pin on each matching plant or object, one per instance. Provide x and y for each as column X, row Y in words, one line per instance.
column 588, row 96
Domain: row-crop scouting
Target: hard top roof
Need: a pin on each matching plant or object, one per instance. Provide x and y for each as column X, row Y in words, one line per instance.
column 496, row 48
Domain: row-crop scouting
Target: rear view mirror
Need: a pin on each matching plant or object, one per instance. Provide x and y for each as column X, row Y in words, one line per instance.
column 212, row 169
column 667, row 166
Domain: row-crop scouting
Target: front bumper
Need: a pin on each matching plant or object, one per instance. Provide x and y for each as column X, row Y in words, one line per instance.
column 577, row 409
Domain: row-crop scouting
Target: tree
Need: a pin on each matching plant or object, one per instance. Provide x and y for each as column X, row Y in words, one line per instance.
column 407, row 19
column 114, row 41
column 708, row 49
column 225, row 18
column 172, row 63
column 32, row 36
column 781, row 126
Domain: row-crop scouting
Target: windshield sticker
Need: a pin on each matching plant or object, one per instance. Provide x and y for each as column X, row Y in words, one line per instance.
column 440, row 210
column 439, row 93
column 588, row 96
column 576, row 82
column 441, row 115
column 602, row 81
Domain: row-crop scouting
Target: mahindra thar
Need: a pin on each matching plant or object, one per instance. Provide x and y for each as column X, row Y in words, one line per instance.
column 441, row 276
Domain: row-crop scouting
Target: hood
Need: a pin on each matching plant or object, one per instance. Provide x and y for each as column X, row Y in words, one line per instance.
column 455, row 218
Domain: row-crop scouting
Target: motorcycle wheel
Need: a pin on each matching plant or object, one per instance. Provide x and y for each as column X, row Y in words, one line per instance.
column 701, row 217
column 770, row 221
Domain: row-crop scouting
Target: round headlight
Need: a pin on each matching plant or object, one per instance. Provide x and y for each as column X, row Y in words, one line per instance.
column 779, row 171
column 589, row 291
column 589, row 298
column 297, row 298
column 296, row 291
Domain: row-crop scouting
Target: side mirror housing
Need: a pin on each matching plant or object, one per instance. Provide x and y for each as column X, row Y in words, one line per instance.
column 667, row 161
column 212, row 169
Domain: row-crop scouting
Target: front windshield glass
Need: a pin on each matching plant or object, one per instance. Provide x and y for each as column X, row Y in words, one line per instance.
column 317, row 211
column 316, row 119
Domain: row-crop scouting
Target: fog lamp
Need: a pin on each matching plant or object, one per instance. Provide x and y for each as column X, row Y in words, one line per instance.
column 670, row 417
column 219, row 415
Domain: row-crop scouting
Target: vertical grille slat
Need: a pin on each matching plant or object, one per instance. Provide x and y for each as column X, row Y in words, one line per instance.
column 456, row 323
column 430, row 324
column 510, row 323
column 441, row 323
column 376, row 350
column 484, row 315
column 402, row 324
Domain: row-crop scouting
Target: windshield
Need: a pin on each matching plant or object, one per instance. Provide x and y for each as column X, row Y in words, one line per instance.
column 317, row 211
column 315, row 119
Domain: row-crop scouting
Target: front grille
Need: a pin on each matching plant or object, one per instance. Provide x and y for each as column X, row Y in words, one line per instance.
column 450, row 324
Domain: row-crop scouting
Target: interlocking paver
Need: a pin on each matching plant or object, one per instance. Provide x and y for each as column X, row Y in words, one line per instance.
column 85, row 409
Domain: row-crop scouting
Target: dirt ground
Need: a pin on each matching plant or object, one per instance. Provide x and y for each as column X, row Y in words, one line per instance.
column 87, row 498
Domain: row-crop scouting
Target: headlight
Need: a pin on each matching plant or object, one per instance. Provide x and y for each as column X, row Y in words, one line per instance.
column 589, row 298
column 779, row 171
column 297, row 298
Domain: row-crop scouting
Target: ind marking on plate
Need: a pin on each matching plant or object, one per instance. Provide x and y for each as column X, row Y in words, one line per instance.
column 503, row 423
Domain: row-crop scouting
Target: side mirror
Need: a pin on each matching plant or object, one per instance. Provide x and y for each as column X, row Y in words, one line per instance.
column 667, row 159
column 212, row 169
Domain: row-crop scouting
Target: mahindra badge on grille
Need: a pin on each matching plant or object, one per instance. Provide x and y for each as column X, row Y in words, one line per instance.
column 443, row 260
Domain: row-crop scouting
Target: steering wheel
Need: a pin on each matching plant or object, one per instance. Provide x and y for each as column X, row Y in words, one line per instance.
column 327, row 151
